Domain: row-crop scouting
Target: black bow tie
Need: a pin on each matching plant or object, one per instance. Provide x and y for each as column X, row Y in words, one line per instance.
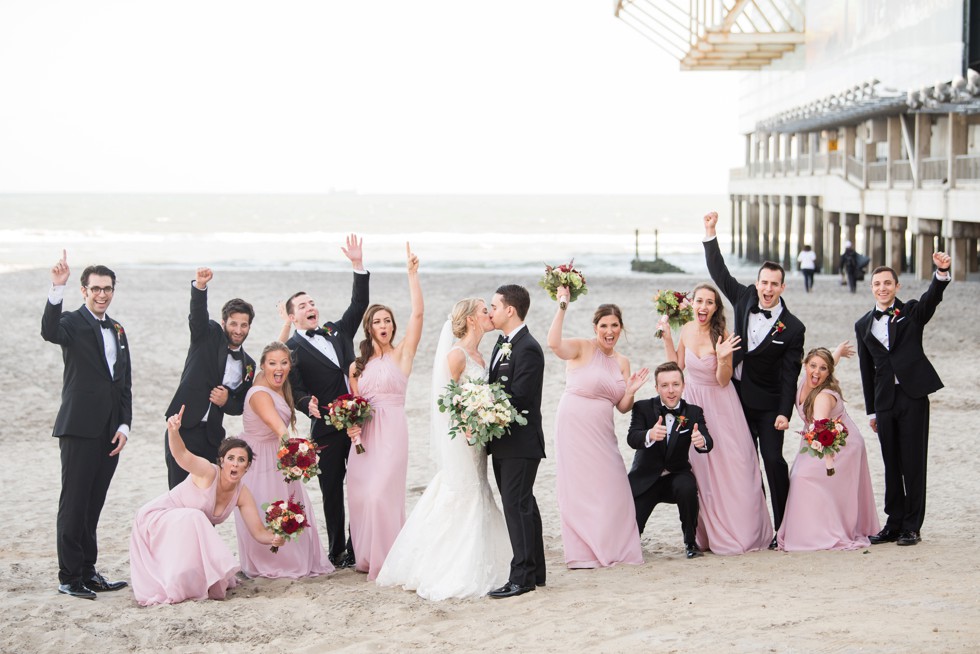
column 676, row 411
column 104, row 324
column 237, row 355
column 878, row 314
column 502, row 339
column 313, row 332
column 758, row 309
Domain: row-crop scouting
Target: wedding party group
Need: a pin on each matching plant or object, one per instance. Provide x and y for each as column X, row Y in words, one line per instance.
column 315, row 404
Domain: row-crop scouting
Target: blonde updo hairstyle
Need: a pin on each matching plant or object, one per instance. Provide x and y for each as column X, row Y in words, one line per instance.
column 461, row 311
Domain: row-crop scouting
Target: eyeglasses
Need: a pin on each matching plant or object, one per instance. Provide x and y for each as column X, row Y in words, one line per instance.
column 96, row 290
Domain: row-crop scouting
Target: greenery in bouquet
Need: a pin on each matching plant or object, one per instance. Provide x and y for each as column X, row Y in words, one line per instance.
column 349, row 410
column 480, row 410
column 564, row 275
column 824, row 438
column 286, row 518
column 674, row 308
column 297, row 459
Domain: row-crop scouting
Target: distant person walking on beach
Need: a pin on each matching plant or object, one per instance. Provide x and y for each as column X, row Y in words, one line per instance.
column 93, row 420
column 808, row 266
column 849, row 265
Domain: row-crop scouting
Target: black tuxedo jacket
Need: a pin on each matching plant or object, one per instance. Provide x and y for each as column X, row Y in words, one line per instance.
column 670, row 454
column 94, row 399
column 313, row 373
column 770, row 371
column 904, row 358
column 522, row 376
column 204, row 368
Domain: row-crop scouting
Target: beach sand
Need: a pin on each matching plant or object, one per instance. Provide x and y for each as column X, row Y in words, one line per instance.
column 883, row 599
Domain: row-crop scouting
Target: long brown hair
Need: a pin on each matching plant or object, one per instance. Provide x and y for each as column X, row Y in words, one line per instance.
column 287, row 390
column 829, row 383
column 367, row 345
column 717, row 325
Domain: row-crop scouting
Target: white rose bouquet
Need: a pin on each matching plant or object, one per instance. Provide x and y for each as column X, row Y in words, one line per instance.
column 480, row 410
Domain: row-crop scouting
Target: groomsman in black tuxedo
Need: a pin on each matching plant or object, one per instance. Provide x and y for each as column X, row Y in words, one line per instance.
column 662, row 431
column 217, row 375
column 897, row 379
column 93, row 421
column 322, row 355
column 768, row 365
column 518, row 363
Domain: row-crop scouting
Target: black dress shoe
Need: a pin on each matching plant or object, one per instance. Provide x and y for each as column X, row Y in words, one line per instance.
column 100, row 584
column 773, row 544
column 886, row 535
column 510, row 589
column 77, row 589
column 693, row 551
column 909, row 538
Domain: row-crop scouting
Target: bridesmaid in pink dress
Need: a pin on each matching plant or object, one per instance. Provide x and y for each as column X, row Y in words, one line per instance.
column 828, row 512
column 175, row 554
column 733, row 517
column 269, row 414
column 598, row 517
column 376, row 477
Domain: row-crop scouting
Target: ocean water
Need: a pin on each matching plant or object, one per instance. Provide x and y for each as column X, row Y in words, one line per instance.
column 451, row 234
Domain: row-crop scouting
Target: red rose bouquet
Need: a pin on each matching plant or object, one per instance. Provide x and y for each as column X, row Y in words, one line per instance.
column 564, row 275
column 297, row 459
column 285, row 518
column 349, row 410
column 674, row 308
column 824, row 439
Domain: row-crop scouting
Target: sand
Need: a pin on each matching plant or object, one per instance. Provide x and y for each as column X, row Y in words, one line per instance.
column 883, row 599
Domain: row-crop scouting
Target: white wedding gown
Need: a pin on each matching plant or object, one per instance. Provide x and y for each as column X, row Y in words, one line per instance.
column 455, row 542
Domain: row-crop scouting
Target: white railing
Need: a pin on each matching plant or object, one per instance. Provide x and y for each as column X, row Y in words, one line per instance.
column 819, row 162
column 878, row 172
column 935, row 169
column 901, row 171
column 967, row 167
column 855, row 169
column 836, row 160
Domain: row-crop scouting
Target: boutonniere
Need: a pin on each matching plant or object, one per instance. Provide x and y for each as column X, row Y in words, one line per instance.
column 682, row 421
column 249, row 372
column 779, row 327
column 894, row 312
column 120, row 334
column 329, row 330
column 505, row 349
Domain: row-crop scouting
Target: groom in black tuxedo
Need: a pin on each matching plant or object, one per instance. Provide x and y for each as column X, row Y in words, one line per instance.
column 662, row 431
column 518, row 363
column 93, row 421
column 897, row 379
column 768, row 364
column 217, row 375
column 322, row 355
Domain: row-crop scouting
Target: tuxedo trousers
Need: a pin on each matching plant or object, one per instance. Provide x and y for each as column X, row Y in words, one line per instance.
column 515, row 481
column 333, row 470
column 86, row 471
column 769, row 442
column 678, row 488
column 198, row 441
column 903, row 432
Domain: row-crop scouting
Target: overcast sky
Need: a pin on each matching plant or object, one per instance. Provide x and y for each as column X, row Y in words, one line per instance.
column 386, row 96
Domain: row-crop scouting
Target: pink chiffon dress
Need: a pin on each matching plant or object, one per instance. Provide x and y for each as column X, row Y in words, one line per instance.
column 302, row 557
column 830, row 512
column 598, row 517
column 376, row 478
column 175, row 553
column 733, row 518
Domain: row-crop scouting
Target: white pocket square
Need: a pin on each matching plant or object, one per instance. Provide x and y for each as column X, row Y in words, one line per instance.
column 683, row 431
column 778, row 342
column 900, row 319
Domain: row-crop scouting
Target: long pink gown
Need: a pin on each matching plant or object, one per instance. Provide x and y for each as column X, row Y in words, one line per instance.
column 302, row 557
column 830, row 513
column 733, row 518
column 376, row 478
column 598, row 518
column 175, row 553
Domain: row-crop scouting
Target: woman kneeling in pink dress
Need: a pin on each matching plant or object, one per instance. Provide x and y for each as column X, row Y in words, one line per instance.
column 175, row 553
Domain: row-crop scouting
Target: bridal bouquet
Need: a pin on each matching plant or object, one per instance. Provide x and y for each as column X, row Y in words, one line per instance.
column 564, row 275
column 297, row 459
column 674, row 308
column 824, row 439
column 479, row 409
column 349, row 410
column 285, row 518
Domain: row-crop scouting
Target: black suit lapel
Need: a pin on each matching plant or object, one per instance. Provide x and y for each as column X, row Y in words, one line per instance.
column 317, row 354
column 892, row 326
column 99, row 340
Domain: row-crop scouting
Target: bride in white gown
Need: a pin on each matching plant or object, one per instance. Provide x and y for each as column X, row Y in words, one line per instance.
column 455, row 542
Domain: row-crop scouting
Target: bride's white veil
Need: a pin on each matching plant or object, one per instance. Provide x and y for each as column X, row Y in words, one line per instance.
column 439, row 421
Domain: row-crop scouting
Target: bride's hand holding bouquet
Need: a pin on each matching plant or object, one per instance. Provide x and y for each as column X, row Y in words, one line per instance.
column 480, row 410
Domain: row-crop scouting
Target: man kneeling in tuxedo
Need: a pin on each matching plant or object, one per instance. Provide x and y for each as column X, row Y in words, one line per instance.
column 662, row 430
